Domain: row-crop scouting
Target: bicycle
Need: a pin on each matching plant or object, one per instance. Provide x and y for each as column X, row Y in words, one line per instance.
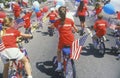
column 50, row 31
column 101, row 45
column 68, row 70
column 16, row 68
column 116, row 35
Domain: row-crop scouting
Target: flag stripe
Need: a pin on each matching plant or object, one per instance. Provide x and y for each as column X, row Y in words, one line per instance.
column 2, row 47
column 77, row 47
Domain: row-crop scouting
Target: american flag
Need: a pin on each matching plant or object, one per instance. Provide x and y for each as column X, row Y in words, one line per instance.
column 2, row 47
column 18, row 23
column 77, row 47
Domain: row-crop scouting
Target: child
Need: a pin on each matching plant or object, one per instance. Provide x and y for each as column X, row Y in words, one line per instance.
column 52, row 16
column 27, row 22
column 39, row 16
column 17, row 10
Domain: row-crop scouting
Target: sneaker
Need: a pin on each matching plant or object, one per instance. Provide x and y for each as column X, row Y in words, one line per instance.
column 58, row 68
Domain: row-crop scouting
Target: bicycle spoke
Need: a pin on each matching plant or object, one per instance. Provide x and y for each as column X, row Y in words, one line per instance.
column 102, row 48
column 69, row 70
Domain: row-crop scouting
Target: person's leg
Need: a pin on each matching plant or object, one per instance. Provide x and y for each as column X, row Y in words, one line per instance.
column 59, row 67
column 27, row 67
column 94, row 39
column 5, row 71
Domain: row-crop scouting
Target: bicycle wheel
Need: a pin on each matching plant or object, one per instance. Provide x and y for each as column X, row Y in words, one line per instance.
column 102, row 48
column 13, row 73
column 70, row 71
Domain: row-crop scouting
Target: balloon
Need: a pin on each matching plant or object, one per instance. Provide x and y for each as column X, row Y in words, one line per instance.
column 60, row 2
column 25, row 1
column 109, row 9
column 2, row 14
column 36, row 4
column 45, row 9
column 57, row 6
column 36, row 9
column 78, row 0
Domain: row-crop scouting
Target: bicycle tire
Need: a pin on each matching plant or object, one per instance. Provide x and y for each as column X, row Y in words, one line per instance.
column 13, row 73
column 70, row 69
column 102, row 48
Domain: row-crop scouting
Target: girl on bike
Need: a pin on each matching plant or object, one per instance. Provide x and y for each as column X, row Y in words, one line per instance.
column 66, row 37
column 11, row 51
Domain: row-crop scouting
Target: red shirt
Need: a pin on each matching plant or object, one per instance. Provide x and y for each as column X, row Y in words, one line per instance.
column 85, row 1
column 98, row 10
column 100, row 27
column 9, row 39
column 38, row 14
column 1, row 20
column 83, row 12
column 16, row 10
column 52, row 15
column 26, row 19
column 118, row 15
column 66, row 37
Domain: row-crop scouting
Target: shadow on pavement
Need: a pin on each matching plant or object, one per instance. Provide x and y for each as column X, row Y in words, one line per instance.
column 47, row 68
column 0, row 75
column 89, row 50
column 44, row 33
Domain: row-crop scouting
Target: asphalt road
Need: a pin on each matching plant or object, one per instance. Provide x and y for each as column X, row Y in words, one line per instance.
column 42, row 48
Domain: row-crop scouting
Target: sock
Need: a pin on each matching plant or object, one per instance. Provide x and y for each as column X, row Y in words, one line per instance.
column 29, row 76
column 59, row 64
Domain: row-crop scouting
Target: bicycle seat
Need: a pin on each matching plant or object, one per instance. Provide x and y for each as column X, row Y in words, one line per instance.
column 10, row 60
column 66, row 50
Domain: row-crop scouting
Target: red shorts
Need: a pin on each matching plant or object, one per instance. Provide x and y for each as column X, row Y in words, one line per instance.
column 61, row 45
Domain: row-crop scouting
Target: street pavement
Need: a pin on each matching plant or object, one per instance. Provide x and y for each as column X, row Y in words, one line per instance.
column 42, row 48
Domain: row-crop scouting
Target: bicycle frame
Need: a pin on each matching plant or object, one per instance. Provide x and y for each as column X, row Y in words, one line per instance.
column 101, row 45
column 68, row 64
column 15, row 69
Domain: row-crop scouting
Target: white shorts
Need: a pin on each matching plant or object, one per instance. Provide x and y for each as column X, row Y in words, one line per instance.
column 11, row 53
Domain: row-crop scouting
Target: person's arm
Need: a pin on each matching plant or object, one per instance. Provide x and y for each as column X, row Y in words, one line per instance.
column 26, row 35
column 117, row 27
column 75, row 28
column 51, row 26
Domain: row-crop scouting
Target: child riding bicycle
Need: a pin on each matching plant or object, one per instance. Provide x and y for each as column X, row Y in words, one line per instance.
column 100, row 27
column 11, row 51
column 66, row 37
